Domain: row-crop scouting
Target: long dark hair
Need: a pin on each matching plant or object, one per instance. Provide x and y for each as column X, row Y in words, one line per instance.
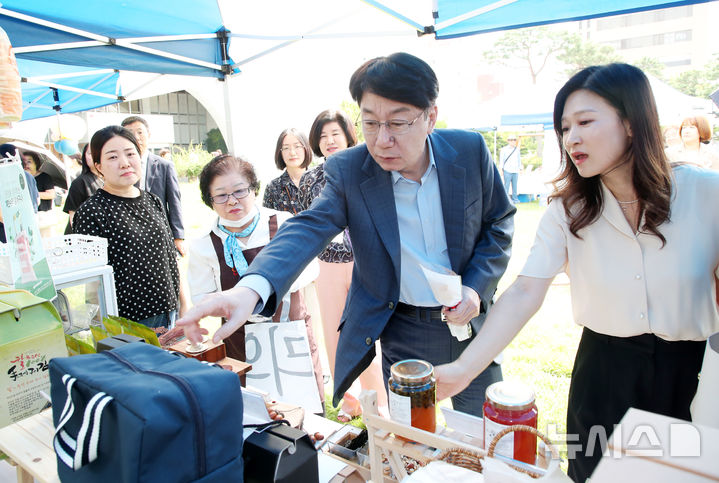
column 627, row 89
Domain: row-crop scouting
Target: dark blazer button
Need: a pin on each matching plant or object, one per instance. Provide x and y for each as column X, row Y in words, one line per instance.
column 368, row 341
column 390, row 305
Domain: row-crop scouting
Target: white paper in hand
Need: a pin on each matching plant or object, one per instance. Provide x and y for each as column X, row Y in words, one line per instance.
column 447, row 289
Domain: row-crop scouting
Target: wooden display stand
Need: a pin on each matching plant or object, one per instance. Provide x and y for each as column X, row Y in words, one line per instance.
column 422, row 447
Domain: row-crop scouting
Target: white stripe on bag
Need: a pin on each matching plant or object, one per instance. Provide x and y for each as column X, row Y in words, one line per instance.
column 67, row 439
column 95, row 435
column 87, row 419
column 91, row 420
column 64, row 416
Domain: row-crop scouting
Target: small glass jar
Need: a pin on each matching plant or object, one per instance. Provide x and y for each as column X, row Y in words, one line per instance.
column 412, row 395
column 508, row 403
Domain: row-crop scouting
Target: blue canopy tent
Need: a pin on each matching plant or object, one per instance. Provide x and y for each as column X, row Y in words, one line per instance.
column 182, row 37
column 545, row 119
column 460, row 18
column 49, row 88
column 170, row 37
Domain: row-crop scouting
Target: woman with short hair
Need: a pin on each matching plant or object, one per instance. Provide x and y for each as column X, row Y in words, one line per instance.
column 695, row 148
column 220, row 257
column 293, row 155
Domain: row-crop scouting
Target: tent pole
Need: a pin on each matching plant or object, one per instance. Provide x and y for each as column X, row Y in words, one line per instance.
column 229, row 128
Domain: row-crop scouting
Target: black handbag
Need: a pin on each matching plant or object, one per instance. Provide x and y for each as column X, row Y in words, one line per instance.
column 280, row 454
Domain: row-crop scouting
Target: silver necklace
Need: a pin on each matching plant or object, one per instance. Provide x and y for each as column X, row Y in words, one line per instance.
column 624, row 208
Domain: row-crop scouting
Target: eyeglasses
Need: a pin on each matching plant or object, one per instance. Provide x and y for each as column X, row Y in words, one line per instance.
column 394, row 126
column 224, row 198
column 296, row 147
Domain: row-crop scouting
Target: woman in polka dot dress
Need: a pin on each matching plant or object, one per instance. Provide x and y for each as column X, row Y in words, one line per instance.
column 140, row 246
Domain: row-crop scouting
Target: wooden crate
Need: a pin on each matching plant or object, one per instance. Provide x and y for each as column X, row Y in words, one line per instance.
column 423, row 446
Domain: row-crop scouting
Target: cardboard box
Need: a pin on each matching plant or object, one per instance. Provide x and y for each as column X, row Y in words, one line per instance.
column 650, row 447
column 30, row 335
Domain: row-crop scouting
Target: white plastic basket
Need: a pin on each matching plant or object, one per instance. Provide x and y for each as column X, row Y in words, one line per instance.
column 64, row 254
column 74, row 252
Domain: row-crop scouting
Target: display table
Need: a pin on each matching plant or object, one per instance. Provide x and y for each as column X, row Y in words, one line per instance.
column 28, row 443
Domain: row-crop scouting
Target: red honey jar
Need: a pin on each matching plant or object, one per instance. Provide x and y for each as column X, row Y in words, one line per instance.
column 412, row 394
column 508, row 403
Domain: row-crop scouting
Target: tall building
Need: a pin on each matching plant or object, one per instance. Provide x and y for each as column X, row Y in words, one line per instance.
column 190, row 119
column 682, row 38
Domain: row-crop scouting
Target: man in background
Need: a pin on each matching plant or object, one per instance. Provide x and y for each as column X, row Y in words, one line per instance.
column 511, row 164
column 158, row 176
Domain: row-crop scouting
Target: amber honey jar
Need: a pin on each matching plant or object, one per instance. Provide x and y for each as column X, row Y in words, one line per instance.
column 412, row 394
column 509, row 403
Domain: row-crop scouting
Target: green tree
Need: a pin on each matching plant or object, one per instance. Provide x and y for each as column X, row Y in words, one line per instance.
column 579, row 53
column 532, row 47
column 651, row 65
column 698, row 82
column 353, row 112
column 215, row 141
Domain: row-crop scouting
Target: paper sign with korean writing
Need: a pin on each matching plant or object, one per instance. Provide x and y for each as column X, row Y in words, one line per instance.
column 28, row 266
column 282, row 363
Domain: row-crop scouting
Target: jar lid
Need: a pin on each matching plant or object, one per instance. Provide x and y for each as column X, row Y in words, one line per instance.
column 510, row 395
column 412, row 371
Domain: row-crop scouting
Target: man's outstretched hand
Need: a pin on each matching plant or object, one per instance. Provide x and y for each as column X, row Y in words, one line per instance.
column 234, row 305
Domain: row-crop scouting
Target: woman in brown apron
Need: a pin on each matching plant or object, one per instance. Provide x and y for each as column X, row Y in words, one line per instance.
column 220, row 257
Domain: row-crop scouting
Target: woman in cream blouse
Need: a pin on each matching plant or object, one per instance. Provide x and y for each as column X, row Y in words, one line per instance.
column 640, row 243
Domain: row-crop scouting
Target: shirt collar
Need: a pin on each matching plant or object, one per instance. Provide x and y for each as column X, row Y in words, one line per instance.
column 396, row 176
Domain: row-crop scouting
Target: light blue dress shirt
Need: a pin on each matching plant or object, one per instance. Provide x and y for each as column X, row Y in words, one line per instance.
column 421, row 232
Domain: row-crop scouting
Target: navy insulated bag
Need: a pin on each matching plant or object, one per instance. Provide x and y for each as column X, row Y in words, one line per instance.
column 141, row 414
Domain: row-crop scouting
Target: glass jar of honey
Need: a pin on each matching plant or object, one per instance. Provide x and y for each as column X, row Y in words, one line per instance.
column 509, row 403
column 412, row 394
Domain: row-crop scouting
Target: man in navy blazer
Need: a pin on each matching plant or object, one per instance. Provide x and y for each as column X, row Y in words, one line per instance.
column 410, row 197
column 159, row 178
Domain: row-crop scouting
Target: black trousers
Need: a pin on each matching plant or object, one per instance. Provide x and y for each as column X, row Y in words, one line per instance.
column 612, row 374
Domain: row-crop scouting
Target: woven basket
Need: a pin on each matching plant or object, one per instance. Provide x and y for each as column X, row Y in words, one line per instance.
column 527, row 429
column 472, row 460
column 463, row 458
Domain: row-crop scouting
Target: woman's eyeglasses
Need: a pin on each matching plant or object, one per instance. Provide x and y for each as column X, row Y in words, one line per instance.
column 224, row 198
column 296, row 147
